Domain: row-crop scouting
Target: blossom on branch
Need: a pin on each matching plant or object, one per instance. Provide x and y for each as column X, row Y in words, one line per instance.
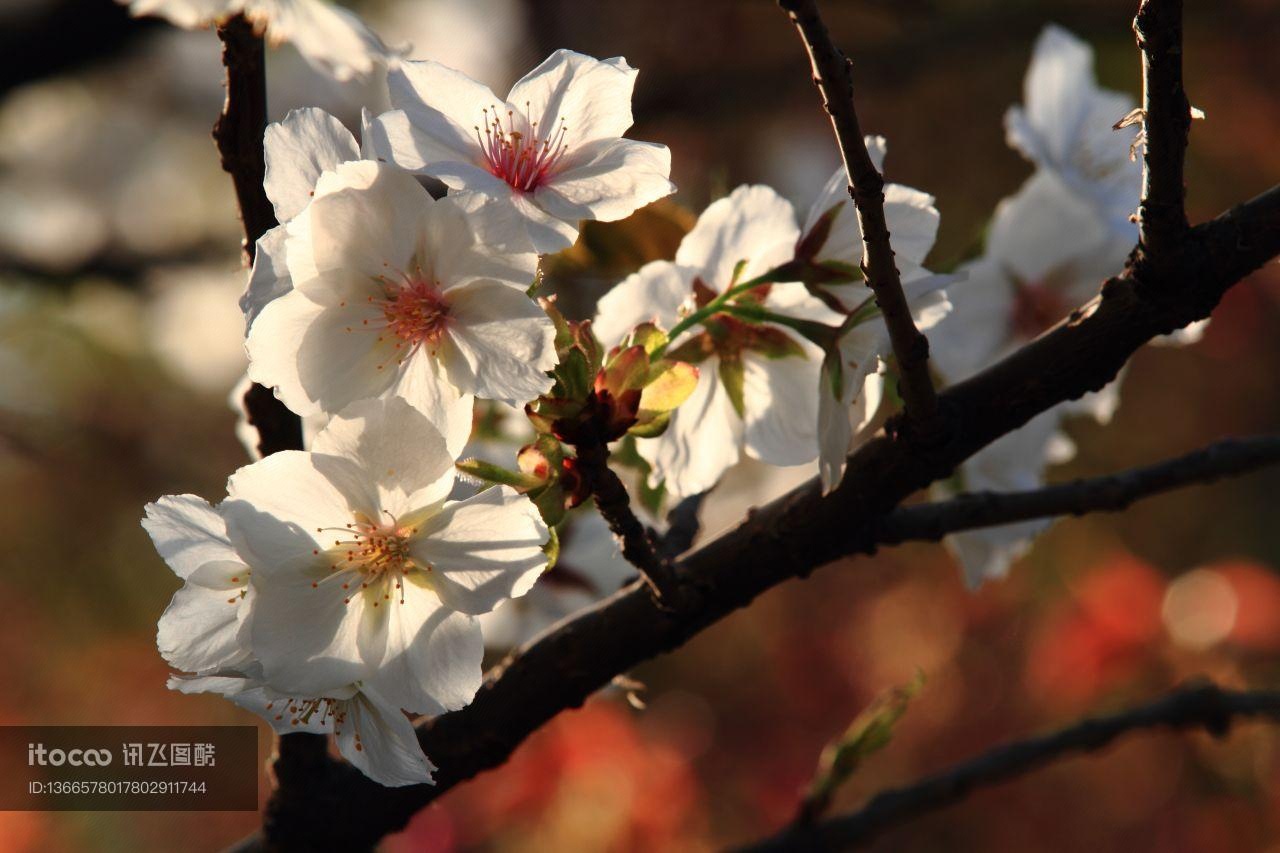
column 372, row 734
column 331, row 38
column 395, row 294
column 553, row 149
column 365, row 572
column 758, row 380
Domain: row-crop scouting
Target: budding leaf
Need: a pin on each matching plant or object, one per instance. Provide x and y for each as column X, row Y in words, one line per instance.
column 669, row 387
column 869, row 732
column 487, row 472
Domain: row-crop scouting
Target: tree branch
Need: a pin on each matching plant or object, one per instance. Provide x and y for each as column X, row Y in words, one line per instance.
column 238, row 133
column 1204, row 706
column 788, row 538
column 614, row 504
column 833, row 77
column 1166, row 124
column 1110, row 493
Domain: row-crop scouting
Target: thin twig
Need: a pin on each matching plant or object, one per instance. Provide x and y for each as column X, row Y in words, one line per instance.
column 1110, row 493
column 1166, row 124
column 614, row 504
column 1203, row 706
column 833, row 77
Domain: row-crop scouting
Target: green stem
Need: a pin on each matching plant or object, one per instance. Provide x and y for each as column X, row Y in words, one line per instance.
column 715, row 306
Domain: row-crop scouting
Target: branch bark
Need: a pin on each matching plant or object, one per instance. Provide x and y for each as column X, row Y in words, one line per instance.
column 1110, row 493
column 238, row 134
column 1198, row 707
column 833, row 77
column 1162, row 217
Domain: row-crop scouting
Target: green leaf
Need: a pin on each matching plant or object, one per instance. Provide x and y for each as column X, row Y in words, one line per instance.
column 650, row 425
column 575, row 375
column 647, row 335
column 733, row 375
column 626, row 371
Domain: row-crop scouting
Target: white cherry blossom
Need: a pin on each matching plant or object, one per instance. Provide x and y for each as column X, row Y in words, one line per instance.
column 775, row 419
column 1065, row 126
column 372, row 734
column 552, row 149
column 395, row 294
column 365, row 572
column 1048, row 252
column 206, row 623
column 328, row 36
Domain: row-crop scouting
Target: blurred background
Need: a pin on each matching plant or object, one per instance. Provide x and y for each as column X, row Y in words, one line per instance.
column 120, row 340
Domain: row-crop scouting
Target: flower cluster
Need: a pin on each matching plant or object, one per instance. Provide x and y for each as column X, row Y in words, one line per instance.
column 1048, row 249
column 347, row 587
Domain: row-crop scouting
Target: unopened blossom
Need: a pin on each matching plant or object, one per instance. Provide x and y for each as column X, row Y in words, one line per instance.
column 552, row 149
column 328, row 36
column 371, row 732
column 206, row 623
column 1013, row 462
column 365, row 572
column 757, row 383
column 395, row 294
column 1065, row 126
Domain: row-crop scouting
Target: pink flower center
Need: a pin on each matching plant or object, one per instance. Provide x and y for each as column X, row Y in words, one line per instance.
column 416, row 312
column 524, row 159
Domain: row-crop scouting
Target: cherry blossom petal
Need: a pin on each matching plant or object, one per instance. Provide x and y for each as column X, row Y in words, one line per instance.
column 203, row 627
column 591, row 96
column 424, row 384
column 187, row 533
column 381, row 742
column 483, row 549
column 329, row 37
column 437, row 112
column 608, row 181
column 394, row 447
column 653, row 294
column 508, row 342
column 307, row 143
column 188, row 14
column 269, row 278
column 753, row 223
column 432, row 660
column 274, row 508
column 780, row 408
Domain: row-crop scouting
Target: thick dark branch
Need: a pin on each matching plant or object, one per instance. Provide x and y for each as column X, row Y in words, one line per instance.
column 239, row 130
column 1166, row 123
column 831, row 73
column 1200, row 707
column 614, row 504
column 1110, row 493
column 788, row 538
column 238, row 134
